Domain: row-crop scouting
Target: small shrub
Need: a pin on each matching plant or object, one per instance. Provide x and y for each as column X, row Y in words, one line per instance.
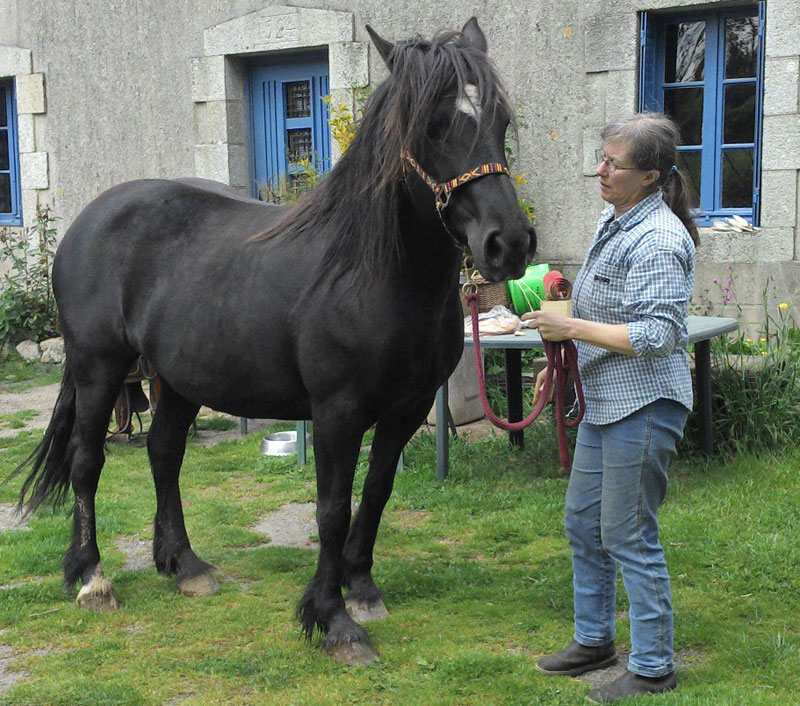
column 27, row 304
column 305, row 177
column 343, row 123
column 755, row 382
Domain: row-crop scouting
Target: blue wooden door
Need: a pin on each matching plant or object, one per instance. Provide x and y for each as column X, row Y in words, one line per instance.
column 288, row 120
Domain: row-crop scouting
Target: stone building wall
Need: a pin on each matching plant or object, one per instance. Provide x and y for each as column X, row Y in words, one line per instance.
column 125, row 89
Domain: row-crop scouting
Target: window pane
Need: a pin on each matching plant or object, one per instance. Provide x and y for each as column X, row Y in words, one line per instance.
column 4, row 149
column 299, row 144
column 5, row 193
column 298, row 99
column 741, row 47
column 685, row 52
column 740, row 113
column 685, row 106
column 3, row 118
column 737, row 178
column 689, row 166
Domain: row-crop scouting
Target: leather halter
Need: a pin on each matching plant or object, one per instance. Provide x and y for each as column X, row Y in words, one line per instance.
column 443, row 189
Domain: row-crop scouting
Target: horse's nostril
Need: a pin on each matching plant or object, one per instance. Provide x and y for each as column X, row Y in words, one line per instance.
column 493, row 248
column 531, row 242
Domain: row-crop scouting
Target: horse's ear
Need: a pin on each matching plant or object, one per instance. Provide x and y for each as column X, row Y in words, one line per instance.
column 475, row 34
column 383, row 46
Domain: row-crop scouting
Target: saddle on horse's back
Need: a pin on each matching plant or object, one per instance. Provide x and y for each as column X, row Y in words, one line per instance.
column 132, row 399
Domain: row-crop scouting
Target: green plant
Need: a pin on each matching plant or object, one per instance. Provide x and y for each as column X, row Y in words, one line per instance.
column 342, row 120
column 494, row 365
column 755, row 380
column 305, row 172
column 304, row 177
column 520, row 179
column 27, row 304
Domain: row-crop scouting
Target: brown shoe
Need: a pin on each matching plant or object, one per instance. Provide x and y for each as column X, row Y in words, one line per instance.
column 576, row 659
column 630, row 684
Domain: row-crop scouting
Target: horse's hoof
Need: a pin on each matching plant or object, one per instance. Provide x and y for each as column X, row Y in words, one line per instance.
column 353, row 654
column 200, row 585
column 98, row 595
column 363, row 612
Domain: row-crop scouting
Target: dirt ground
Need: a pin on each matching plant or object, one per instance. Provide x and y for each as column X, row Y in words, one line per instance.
column 40, row 399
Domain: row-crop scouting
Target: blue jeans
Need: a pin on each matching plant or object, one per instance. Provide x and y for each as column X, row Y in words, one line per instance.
column 618, row 482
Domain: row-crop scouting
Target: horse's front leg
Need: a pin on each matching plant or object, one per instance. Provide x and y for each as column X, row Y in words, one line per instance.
column 336, row 445
column 364, row 600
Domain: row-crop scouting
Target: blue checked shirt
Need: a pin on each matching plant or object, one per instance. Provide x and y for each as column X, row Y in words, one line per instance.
column 638, row 271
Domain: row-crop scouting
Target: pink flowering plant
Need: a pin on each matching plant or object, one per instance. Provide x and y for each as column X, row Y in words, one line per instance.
column 755, row 376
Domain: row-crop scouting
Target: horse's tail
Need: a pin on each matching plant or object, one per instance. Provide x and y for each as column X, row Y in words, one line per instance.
column 50, row 461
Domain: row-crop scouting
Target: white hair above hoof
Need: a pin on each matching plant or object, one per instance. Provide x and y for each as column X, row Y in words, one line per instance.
column 98, row 594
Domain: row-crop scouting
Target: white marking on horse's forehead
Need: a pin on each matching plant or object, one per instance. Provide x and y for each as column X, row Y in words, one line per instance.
column 469, row 101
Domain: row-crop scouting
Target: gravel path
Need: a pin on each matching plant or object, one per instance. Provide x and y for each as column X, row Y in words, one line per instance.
column 291, row 526
column 10, row 519
column 40, row 399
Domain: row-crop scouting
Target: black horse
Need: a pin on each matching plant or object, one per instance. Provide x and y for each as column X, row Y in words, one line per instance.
column 343, row 309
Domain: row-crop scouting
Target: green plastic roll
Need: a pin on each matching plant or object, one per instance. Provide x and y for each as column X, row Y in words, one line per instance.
column 527, row 292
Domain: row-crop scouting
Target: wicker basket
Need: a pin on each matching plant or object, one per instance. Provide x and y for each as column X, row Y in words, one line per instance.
column 490, row 294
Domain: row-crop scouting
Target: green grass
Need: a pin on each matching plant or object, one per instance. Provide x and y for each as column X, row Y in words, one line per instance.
column 476, row 574
column 16, row 374
column 216, row 423
column 17, row 420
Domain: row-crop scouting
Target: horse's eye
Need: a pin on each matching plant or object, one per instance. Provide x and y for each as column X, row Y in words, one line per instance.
column 438, row 127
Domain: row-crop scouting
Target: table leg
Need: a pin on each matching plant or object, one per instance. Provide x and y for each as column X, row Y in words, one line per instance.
column 302, row 429
column 514, row 393
column 243, row 426
column 702, row 366
column 442, row 437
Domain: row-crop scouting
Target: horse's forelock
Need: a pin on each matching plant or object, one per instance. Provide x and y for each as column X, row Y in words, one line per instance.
column 422, row 72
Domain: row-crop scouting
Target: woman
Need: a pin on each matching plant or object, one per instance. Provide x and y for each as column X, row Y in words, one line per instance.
column 630, row 322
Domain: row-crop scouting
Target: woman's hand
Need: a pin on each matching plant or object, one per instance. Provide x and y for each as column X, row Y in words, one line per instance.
column 538, row 387
column 552, row 327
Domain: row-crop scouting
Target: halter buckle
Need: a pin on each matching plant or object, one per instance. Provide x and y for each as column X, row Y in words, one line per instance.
column 442, row 199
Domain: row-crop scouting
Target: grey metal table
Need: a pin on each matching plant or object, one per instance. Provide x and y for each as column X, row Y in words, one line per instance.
column 701, row 330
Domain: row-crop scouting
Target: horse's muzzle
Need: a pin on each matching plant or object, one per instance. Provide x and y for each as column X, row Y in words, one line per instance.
column 505, row 255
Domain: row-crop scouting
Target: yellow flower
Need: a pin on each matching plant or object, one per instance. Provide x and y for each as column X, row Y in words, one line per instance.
column 748, row 340
column 763, row 340
column 783, row 305
column 763, row 352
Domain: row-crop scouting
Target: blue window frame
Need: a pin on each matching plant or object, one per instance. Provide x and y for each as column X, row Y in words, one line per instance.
column 10, row 196
column 705, row 70
column 288, row 120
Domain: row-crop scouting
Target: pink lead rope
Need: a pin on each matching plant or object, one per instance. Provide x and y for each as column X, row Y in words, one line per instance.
column 562, row 358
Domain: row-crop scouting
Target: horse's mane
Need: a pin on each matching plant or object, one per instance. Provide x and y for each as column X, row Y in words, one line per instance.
column 359, row 201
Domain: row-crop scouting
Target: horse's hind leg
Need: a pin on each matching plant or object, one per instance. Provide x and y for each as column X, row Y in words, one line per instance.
column 364, row 601
column 166, row 444
column 337, row 439
column 97, row 384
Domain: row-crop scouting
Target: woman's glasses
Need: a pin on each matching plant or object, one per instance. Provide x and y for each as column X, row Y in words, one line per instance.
column 611, row 167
